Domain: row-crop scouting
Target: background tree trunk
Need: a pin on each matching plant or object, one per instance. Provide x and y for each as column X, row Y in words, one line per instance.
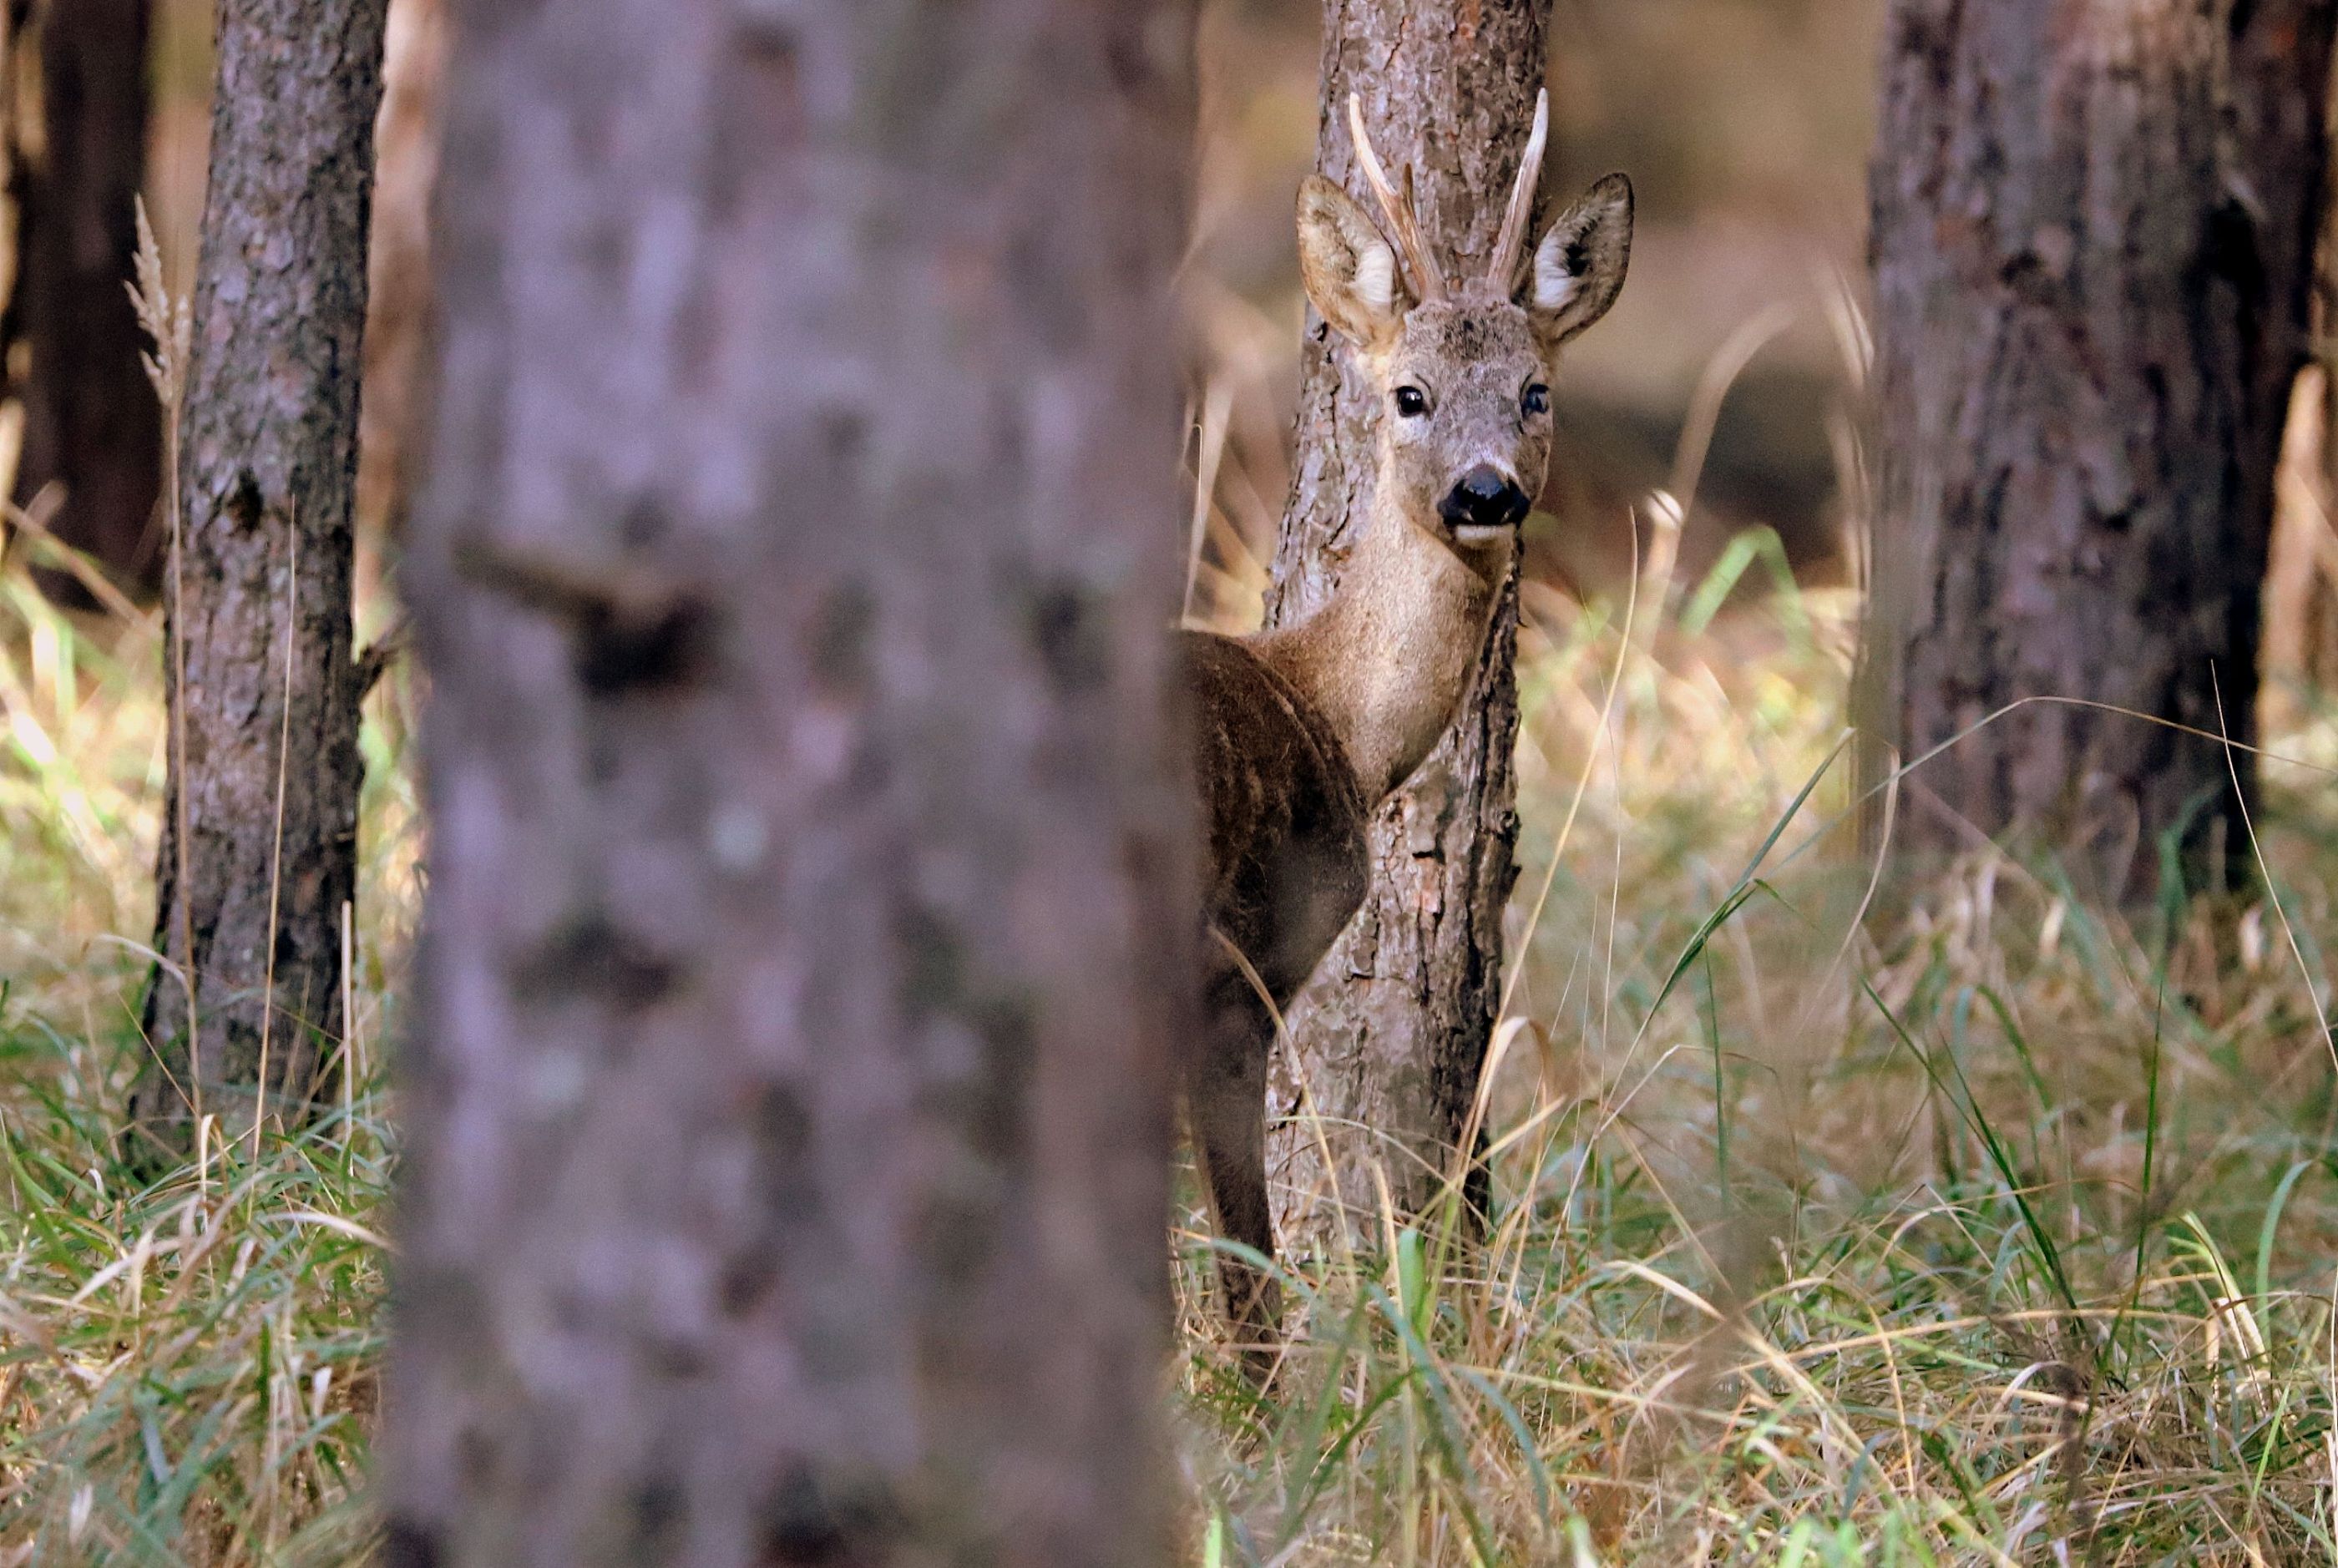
column 2301, row 635
column 1390, row 1036
column 2301, row 592
column 788, row 1102
column 91, row 425
column 398, row 306
column 268, row 457
column 2093, row 240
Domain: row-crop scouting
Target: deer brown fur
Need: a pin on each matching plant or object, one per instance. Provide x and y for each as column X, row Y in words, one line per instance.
column 1304, row 730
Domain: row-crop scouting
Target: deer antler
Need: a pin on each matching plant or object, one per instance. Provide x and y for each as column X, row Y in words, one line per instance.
column 1428, row 283
column 1512, row 243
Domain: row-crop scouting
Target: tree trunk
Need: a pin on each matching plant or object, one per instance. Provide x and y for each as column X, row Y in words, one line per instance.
column 2093, row 241
column 397, row 319
column 1390, row 1036
column 2301, row 635
column 788, row 1104
column 267, row 799
column 92, row 425
column 2301, row 591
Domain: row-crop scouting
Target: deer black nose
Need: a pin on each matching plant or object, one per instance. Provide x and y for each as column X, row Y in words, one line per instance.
column 1485, row 498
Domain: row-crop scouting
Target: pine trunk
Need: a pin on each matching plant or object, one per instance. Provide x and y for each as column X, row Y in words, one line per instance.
column 1389, row 1038
column 259, row 604
column 2093, row 240
column 91, row 425
column 788, row 1105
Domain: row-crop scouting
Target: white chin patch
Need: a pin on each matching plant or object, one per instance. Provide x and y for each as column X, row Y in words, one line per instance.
column 1479, row 534
column 1554, row 284
column 1376, row 277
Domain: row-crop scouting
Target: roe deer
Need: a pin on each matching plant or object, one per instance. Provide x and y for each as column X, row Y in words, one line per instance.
column 1303, row 731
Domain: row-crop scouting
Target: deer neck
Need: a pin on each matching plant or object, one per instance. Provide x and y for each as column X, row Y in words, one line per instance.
column 1388, row 659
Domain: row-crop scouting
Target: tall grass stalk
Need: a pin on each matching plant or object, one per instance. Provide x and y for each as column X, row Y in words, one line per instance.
column 169, row 324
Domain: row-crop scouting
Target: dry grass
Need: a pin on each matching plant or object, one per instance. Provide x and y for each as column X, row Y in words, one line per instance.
column 187, row 1367
column 1997, row 1231
column 2004, row 1239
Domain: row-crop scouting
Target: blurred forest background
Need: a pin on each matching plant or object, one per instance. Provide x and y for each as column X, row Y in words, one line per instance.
column 1962, row 1233
column 1746, row 125
column 1745, row 122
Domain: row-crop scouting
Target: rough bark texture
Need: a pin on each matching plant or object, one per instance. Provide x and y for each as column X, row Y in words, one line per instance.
column 91, row 425
column 788, row 1101
column 1390, row 1036
column 267, row 455
column 2093, row 241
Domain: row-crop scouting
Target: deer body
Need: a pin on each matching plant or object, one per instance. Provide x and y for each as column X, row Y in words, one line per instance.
column 1305, row 730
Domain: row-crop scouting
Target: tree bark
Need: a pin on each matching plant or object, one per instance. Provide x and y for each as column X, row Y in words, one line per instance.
column 1390, row 1036
column 811, row 912
column 267, row 799
column 91, row 425
column 2093, row 241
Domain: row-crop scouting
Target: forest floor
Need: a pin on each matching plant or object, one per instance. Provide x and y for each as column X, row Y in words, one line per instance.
column 1995, row 1230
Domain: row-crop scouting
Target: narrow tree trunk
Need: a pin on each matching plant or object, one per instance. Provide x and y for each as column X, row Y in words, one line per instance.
column 2301, row 591
column 92, row 425
column 1389, row 1038
column 2093, row 243
column 2301, row 635
column 787, row 1102
column 397, row 319
column 267, row 799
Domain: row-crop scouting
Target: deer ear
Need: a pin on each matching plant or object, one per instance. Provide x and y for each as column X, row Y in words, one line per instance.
column 1349, row 267
column 1578, row 268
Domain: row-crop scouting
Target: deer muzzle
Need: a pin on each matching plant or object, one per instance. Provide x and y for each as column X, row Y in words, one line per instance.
column 1485, row 498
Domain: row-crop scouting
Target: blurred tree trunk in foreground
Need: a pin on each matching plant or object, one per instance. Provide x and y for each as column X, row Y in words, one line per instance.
column 787, row 1096
column 2093, row 239
column 1390, row 1036
column 259, row 849
column 92, row 425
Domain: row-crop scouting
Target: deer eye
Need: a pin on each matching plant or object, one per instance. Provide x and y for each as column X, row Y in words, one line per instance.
column 1412, row 401
column 1536, row 399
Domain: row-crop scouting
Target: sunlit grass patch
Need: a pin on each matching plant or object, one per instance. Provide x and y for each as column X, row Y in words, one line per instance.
column 188, row 1368
column 1997, row 1231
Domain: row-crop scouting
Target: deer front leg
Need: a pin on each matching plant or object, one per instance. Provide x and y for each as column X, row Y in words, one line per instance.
column 1225, row 1098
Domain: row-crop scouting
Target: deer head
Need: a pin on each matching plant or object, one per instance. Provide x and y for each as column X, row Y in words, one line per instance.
column 1464, row 369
